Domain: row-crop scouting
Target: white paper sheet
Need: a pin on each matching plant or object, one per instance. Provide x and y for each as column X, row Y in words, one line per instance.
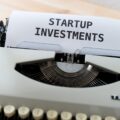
column 64, row 33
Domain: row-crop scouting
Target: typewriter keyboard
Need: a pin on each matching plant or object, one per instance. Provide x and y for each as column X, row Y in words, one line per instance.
column 9, row 112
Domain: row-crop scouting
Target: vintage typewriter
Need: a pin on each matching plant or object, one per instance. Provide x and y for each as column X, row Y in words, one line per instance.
column 40, row 84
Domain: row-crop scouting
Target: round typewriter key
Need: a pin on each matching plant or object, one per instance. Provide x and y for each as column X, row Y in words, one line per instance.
column 23, row 112
column 52, row 115
column 110, row 118
column 81, row 116
column 9, row 111
column 95, row 117
column 66, row 115
column 37, row 113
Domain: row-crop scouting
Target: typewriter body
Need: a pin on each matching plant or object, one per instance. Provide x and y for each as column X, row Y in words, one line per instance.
column 41, row 79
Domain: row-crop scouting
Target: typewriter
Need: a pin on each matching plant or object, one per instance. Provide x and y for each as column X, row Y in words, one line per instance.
column 50, row 83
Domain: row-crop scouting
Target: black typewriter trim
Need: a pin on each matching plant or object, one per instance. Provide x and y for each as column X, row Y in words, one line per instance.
column 2, row 34
column 32, row 70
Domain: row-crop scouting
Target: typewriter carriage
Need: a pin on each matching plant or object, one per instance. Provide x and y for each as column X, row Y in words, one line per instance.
column 68, row 70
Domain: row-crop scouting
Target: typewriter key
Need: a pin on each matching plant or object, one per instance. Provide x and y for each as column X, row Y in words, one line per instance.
column 37, row 113
column 66, row 115
column 23, row 112
column 52, row 115
column 95, row 117
column 9, row 111
column 110, row 118
column 81, row 116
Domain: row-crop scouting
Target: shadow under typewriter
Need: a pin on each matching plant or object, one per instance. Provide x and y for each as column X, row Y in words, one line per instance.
column 65, row 74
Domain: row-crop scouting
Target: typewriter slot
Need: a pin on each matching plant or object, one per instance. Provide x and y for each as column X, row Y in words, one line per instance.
column 51, row 72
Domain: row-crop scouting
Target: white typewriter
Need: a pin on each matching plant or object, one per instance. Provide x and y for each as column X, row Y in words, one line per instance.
column 72, row 75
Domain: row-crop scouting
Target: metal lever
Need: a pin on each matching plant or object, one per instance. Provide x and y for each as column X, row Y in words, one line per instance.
column 70, row 58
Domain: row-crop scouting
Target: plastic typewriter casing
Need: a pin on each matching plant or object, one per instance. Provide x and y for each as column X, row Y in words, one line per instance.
column 18, row 89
